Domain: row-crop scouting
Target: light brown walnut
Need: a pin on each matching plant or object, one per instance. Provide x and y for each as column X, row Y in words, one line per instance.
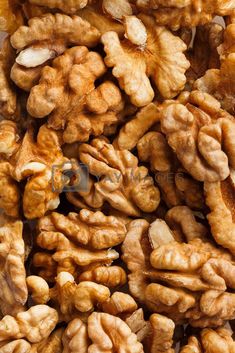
column 62, row 89
column 102, row 333
column 70, row 6
column 93, row 13
column 188, row 13
column 13, row 290
column 77, row 240
column 119, row 304
column 147, row 52
column 121, row 182
column 201, row 135
column 110, row 276
column 134, row 130
column 68, row 296
column 43, row 161
column 15, row 346
column 210, row 340
column 102, row 109
column 220, row 200
column 52, row 344
column 35, row 324
column 45, row 38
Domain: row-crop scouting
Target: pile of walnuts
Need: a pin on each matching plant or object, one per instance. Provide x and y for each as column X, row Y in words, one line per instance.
column 117, row 176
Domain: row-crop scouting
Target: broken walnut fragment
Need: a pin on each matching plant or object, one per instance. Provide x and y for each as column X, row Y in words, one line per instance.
column 69, row 6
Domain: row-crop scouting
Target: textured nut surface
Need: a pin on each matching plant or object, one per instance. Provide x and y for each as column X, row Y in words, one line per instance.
column 154, row 59
column 70, row 6
column 121, row 182
column 203, row 146
column 35, row 324
column 13, row 287
column 63, row 87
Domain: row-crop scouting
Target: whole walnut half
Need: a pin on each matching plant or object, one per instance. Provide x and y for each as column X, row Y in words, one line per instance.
column 120, row 181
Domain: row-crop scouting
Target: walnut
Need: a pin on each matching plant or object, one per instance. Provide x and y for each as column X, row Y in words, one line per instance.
column 190, row 13
column 101, row 110
column 35, row 324
column 136, row 251
column 112, row 276
column 219, row 198
column 102, row 333
column 15, row 346
column 51, row 344
column 70, row 236
column 201, row 59
column 201, row 135
column 184, row 224
column 162, row 334
column 13, row 276
column 133, row 130
column 68, row 295
column 119, row 304
column 120, row 181
column 220, row 82
column 43, row 162
column 153, row 148
column 95, row 16
column 46, row 267
column 10, row 194
column 138, row 325
column 10, row 15
column 61, row 92
column 69, row 7
column 9, row 106
column 144, row 49
column 117, row 10
column 36, row 46
column 108, row 332
column 75, row 338
column 9, row 138
column 210, row 340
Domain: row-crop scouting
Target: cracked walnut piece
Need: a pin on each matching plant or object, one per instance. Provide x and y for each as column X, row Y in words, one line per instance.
column 62, row 88
column 112, row 276
column 35, row 324
column 148, row 51
column 13, row 290
column 124, row 185
column 102, row 333
column 201, row 134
